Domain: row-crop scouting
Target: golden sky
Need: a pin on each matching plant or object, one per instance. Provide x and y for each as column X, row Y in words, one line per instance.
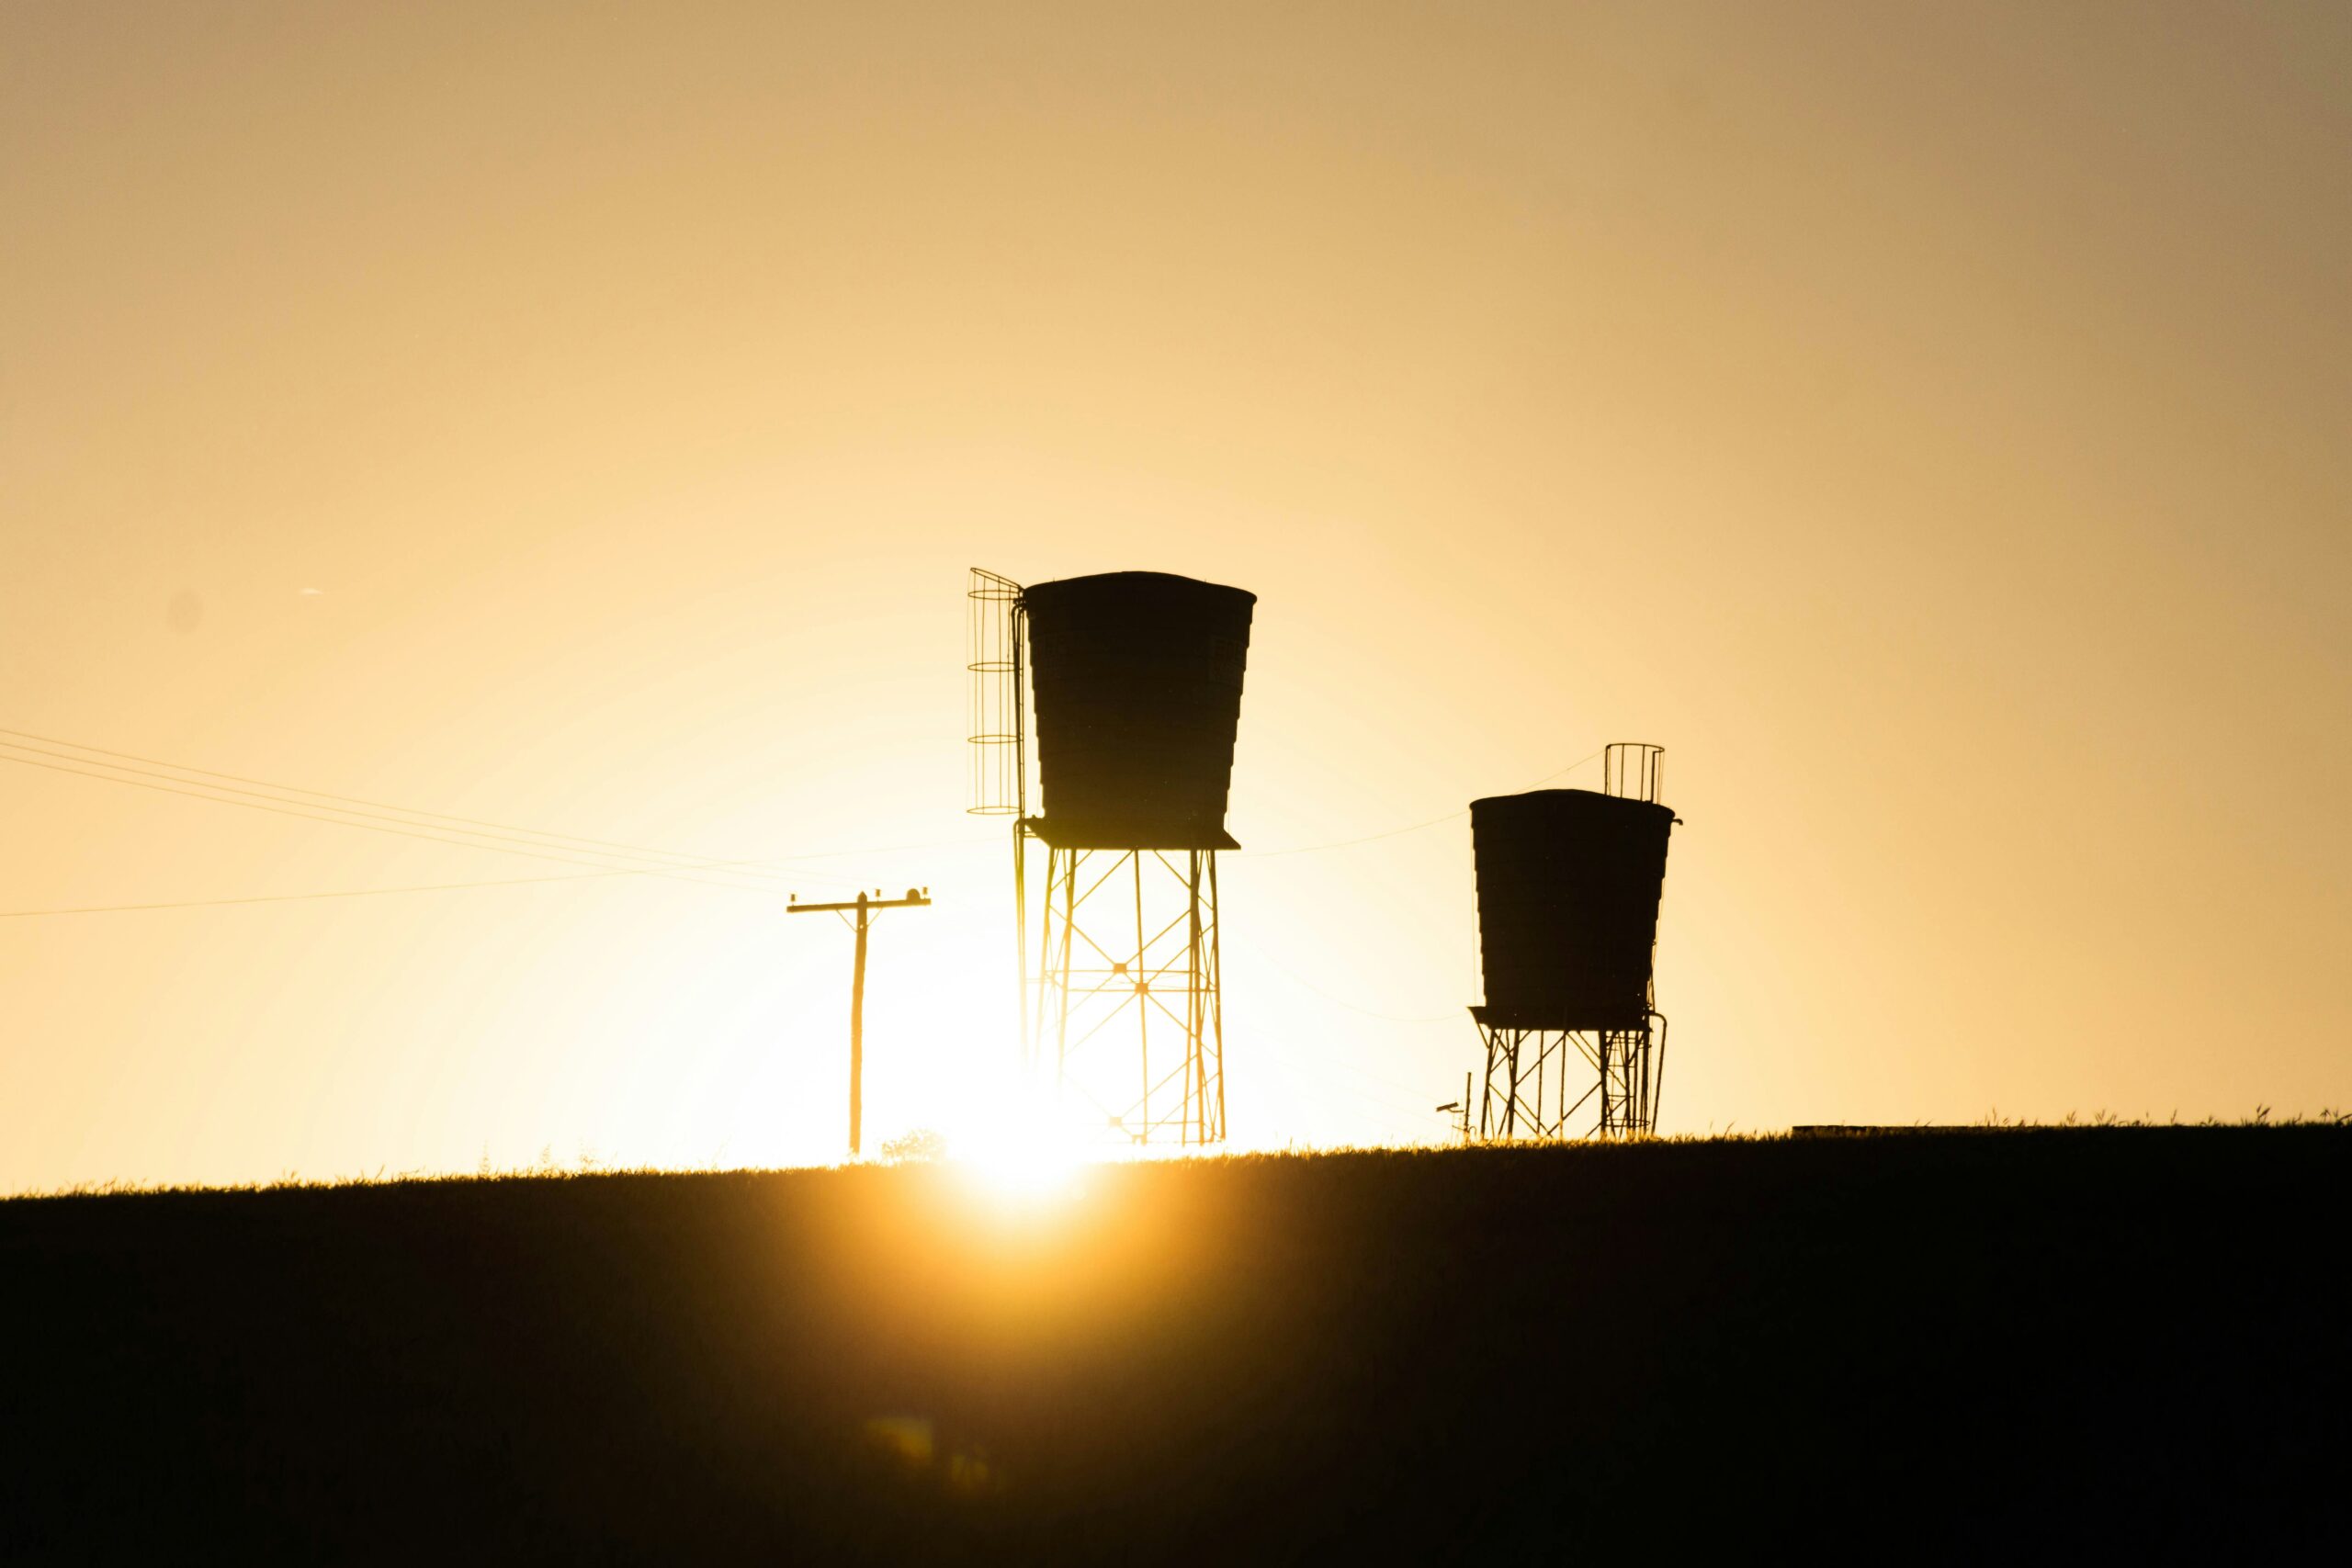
column 1929, row 423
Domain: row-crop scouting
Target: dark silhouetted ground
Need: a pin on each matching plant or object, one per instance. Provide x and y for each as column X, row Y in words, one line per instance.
column 1981, row 1346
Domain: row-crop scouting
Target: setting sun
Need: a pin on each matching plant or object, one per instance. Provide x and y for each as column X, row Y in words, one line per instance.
column 1022, row 1171
column 1009, row 1145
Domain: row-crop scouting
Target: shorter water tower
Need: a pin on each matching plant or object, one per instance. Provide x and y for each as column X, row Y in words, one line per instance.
column 1131, row 682
column 1569, row 882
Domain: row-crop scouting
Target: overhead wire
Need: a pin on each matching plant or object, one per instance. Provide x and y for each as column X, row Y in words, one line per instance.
column 1303, row 983
column 1338, row 1061
column 1398, row 1112
column 669, row 867
column 609, row 848
column 336, row 893
column 1412, row 828
column 1330, row 1057
column 220, row 795
column 283, row 810
column 681, row 863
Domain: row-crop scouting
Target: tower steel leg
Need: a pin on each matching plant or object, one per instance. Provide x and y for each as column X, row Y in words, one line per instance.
column 1021, row 1044
column 1143, row 988
column 1487, row 1087
column 1061, row 1021
column 1215, row 994
column 1196, row 1076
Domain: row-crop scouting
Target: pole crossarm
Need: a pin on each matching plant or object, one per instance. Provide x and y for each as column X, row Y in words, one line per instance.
column 913, row 901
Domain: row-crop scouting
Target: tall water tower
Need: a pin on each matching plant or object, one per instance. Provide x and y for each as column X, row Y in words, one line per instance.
column 1569, row 882
column 1132, row 679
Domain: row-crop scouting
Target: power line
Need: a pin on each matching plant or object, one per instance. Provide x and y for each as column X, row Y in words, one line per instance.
column 340, row 811
column 1295, row 979
column 374, row 827
column 1562, row 773
column 342, row 893
column 469, row 825
column 1332, row 1058
column 1347, row 844
column 427, row 831
column 609, row 848
column 1398, row 832
column 1416, row 1091
column 1397, row 1113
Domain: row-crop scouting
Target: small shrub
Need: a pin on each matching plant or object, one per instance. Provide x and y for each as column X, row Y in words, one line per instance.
column 919, row 1145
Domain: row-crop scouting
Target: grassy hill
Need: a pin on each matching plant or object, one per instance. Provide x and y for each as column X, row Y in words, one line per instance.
column 1946, row 1345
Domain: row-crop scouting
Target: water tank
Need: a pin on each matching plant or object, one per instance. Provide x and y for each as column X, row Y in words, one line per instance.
column 1137, row 677
column 1568, row 889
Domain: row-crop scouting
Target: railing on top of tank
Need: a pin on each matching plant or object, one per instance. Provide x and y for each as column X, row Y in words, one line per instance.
column 998, row 726
column 1632, row 770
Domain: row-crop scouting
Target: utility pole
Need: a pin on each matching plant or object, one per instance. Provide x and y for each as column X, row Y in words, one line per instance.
column 865, row 909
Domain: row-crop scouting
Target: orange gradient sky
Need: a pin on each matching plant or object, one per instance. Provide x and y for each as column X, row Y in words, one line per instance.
column 1929, row 424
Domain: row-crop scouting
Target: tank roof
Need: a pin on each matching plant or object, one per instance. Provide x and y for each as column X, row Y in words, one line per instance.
column 1140, row 580
column 1535, row 795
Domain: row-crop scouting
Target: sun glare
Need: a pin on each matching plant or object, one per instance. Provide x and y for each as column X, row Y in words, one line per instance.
column 1015, row 1152
column 1025, row 1173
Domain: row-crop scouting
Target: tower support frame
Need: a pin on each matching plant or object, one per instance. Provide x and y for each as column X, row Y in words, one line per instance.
column 1124, row 1014
column 1530, row 1074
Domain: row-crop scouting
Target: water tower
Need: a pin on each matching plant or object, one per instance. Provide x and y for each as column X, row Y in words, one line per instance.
column 1131, row 682
column 1569, row 888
